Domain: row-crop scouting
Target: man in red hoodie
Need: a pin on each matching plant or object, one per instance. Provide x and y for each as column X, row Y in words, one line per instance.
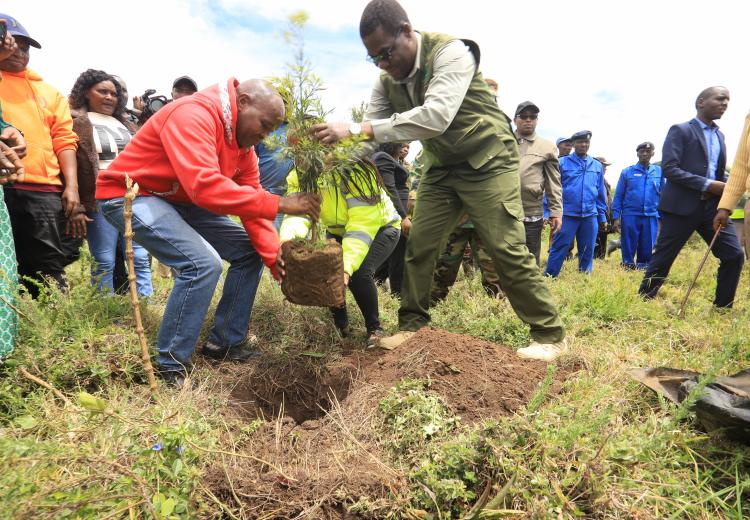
column 195, row 164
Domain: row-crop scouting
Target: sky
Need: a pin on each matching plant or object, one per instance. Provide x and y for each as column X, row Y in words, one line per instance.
column 626, row 71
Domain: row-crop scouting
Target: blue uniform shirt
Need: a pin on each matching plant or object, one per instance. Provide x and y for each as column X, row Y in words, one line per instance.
column 583, row 187
column 273, row 166
column 638, row 191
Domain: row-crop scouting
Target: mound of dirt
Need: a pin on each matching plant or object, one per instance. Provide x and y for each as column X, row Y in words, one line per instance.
column 477, row 379
column 324, row 451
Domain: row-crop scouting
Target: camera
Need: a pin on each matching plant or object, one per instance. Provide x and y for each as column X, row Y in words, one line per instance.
column 151, row 104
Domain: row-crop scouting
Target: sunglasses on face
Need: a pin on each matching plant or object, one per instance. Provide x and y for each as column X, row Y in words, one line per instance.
column 388, row 54
column 527, row 117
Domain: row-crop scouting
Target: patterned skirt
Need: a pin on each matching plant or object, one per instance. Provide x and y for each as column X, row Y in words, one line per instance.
column 8, row 283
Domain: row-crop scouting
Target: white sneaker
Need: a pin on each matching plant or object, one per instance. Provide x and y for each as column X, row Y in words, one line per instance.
column 543, row 351
column 392, row 342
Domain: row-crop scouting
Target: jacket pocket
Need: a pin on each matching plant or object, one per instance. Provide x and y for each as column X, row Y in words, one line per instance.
column 512, row 227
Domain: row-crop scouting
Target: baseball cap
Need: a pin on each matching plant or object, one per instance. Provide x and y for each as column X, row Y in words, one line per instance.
column 526, row 105
column 602, row 160
column 561, row 140
column 186, row 79
column 16, row 29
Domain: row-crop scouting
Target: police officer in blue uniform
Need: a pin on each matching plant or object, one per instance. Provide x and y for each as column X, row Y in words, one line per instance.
column 634, row 208
column 584, row 206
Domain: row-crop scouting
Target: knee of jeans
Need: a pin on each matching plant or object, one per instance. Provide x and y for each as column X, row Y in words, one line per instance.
column 140, row 256
column 103, row 265
column 215, row 267
column 209, row 266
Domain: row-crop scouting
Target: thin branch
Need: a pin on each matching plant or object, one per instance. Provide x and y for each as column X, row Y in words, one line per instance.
column 45, row 384
column 16, row 309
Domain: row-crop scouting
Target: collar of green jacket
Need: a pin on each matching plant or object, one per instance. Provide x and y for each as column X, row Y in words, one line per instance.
column 479, row 132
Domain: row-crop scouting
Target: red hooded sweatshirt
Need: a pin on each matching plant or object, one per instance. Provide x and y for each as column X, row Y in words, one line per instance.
column 187, row 152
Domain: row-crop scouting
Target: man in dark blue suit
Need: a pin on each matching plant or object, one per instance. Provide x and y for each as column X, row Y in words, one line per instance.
column 693, row 162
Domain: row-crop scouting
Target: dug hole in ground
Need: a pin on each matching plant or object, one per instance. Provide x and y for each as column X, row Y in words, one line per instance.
column 324, row 449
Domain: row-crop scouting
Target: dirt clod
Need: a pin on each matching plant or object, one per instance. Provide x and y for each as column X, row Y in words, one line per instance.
column 313, row 274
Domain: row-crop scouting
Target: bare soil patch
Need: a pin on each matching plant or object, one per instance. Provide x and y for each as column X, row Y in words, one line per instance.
column 324, row 452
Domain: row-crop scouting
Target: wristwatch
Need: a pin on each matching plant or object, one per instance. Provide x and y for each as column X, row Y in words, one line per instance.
column 355, row 129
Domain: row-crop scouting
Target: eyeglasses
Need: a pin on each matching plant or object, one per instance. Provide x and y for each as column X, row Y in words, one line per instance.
column 388, row 54
column 527, row 117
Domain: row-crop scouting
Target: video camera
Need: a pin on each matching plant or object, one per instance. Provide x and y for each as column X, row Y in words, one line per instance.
column 151, row 104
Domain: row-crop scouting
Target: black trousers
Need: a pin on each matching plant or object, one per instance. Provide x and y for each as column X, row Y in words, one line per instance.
column 362, row 283
column 393, row 268
column 42, row 248
column 534, row 238
column 675, row 232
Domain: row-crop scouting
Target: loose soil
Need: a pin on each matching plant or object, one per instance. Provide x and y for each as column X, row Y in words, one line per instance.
column 476, row 379
column 314, row 275
column 324, row 450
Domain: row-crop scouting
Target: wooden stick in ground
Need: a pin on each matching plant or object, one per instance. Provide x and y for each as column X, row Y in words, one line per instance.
column 695, row 278
column 132, row 191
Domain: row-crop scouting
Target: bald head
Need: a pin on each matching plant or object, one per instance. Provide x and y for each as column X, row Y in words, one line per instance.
column 261, row 92
column 260, row 110
column 711, row 103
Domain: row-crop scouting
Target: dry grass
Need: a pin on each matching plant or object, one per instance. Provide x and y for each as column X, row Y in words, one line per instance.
column 604, row 448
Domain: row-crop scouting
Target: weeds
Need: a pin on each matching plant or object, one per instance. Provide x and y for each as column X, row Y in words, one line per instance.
column 605, row 447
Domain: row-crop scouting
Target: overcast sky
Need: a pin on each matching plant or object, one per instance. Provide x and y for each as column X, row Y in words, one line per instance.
column 624, row 70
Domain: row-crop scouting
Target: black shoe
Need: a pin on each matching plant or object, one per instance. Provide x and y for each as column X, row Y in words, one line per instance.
column 173, row 378
column 237, row 353
column 343, row 330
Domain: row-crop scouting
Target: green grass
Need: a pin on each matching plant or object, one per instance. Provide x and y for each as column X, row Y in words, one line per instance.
column 606, row 447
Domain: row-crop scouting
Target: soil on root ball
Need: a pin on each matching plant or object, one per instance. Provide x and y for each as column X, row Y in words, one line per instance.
column 314, row 274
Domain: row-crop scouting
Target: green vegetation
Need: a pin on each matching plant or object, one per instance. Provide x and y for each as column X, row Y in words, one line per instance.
column 317, row 164
column 605, row 447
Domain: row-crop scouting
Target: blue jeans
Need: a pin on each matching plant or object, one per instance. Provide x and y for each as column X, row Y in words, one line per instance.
column 193, row 242
column 584, row 230
column 103, row 237
column 638, row 237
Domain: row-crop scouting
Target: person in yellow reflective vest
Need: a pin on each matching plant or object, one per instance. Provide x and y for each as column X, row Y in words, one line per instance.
column 358, row 213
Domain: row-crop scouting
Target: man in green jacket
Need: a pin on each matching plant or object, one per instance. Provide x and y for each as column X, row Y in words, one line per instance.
column 431, row 90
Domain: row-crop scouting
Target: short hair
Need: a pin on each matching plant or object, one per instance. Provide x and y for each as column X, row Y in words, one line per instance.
column 707, row 92
column 387, row 14
column 390, row 148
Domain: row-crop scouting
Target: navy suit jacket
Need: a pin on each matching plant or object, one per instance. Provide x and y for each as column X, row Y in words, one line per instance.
column 684, row 164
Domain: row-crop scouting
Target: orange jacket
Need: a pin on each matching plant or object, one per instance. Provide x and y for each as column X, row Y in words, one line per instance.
column 43, row 115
